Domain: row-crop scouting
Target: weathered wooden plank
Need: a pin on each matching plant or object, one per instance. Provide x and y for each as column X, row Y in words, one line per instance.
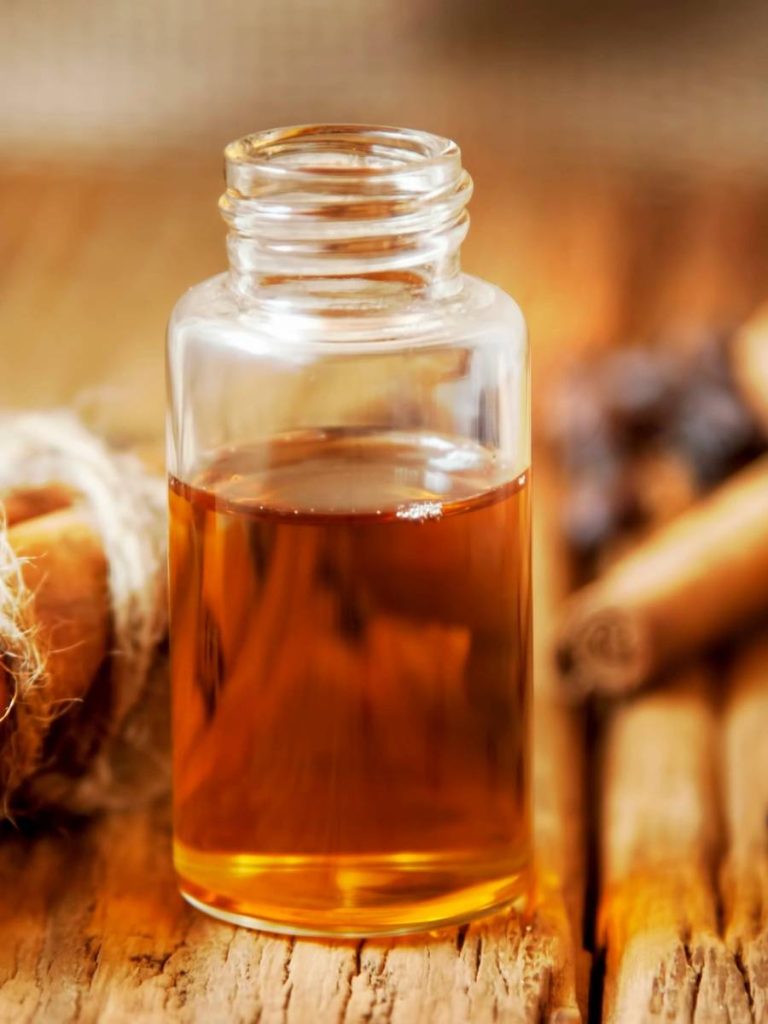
column 91, row 928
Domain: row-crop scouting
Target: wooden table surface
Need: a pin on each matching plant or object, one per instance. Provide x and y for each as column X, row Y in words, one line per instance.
column 91, row 927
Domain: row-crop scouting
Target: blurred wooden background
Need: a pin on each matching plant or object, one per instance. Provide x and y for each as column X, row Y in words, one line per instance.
column 94, row 256
column 653, row 83
column 619, row 152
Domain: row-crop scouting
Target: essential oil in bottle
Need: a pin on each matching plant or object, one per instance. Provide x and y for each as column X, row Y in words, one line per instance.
column 350, row 635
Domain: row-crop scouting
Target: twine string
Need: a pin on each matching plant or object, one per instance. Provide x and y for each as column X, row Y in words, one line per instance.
column 127, row 507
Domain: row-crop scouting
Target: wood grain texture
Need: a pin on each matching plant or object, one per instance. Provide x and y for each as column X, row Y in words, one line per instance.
column 97, row 932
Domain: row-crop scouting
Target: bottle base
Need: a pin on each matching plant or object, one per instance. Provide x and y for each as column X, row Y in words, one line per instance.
column 361, row 911
column 260, row 924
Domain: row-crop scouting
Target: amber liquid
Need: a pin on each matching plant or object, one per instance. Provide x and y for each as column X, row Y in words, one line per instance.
column 350, row 654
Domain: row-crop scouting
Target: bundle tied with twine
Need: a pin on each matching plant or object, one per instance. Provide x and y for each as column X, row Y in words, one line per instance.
column 83, row 689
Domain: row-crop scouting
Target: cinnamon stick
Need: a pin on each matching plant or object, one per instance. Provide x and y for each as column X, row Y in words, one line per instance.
column 659, row 835
column 745, row 788
column 28, row 502
column 65, row 570
column 559, row 769
column 749, row 364
column 682, row 588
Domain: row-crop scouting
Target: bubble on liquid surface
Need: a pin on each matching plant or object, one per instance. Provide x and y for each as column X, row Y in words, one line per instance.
column 420, row 510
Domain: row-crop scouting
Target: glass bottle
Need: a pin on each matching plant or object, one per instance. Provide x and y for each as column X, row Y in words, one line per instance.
column 348, row 450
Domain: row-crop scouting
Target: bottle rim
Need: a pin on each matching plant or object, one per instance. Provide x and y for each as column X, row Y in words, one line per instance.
column 344, row 199
column 378, row 154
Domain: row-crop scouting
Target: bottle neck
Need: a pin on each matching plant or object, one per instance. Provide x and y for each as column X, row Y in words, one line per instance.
column 342, row 213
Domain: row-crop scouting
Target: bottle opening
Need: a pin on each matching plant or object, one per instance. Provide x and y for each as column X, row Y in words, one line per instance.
column 344, row 201
column 367, row 154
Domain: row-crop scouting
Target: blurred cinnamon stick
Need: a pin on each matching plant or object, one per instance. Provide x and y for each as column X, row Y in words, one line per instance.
column 749, row 365
column 29, row 502
column 682, row 588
